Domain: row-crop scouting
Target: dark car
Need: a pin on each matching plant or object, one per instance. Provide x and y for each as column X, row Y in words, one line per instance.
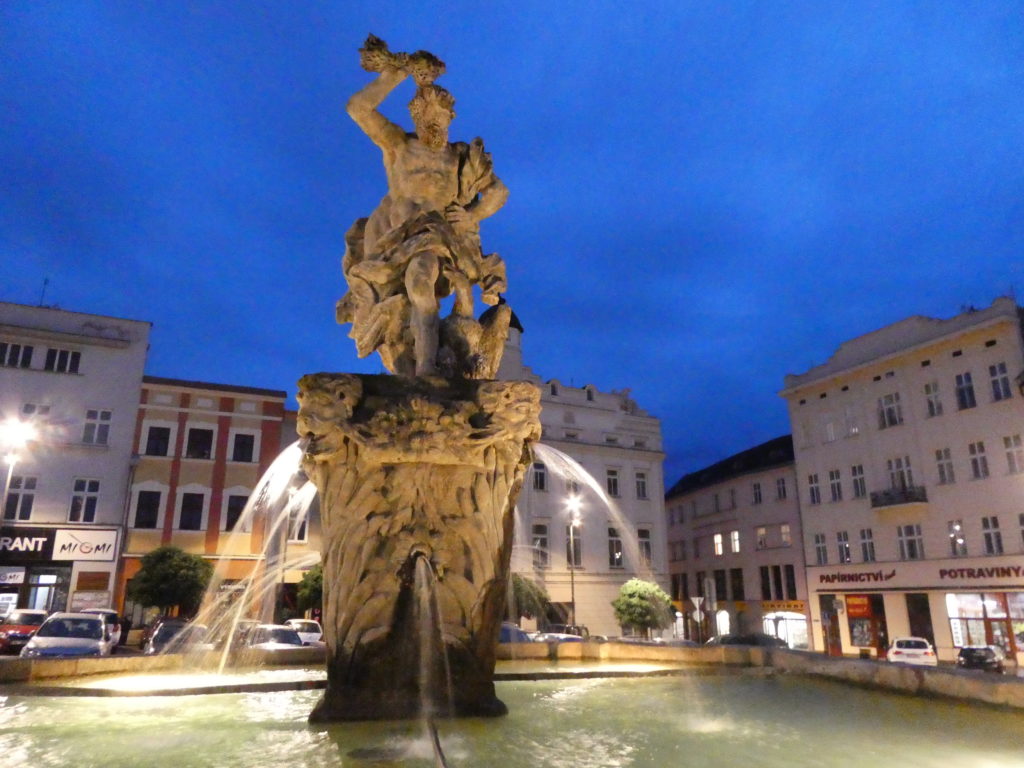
column 750, row 638
column 174, row 635
column 987, row 657
column 18, row 627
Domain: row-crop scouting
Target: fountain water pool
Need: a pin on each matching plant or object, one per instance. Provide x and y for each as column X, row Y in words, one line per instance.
column 723, row 720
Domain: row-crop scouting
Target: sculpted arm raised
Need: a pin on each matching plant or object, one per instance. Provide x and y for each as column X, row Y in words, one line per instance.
column 362, row 108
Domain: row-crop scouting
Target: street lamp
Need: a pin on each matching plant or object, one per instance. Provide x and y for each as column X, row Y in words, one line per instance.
column 14, row 435
column 573, row 504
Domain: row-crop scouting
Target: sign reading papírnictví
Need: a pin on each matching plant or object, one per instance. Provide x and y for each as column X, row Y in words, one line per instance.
column 25, row 544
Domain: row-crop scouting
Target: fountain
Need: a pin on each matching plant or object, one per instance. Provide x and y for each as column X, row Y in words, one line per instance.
column 417, row 472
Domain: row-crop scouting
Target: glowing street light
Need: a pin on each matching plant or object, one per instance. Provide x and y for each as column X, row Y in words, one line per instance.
column 14, row 436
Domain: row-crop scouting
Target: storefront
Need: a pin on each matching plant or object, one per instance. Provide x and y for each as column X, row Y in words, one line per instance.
column 951, row 603
column 57, row 569
column 787, row 620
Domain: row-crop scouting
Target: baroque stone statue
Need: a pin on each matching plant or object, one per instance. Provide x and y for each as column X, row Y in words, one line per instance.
column 422, row 243
column 417, row 473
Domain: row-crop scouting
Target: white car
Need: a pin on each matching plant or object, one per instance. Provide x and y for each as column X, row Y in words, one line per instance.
column 310, row 632
column 273, row 637
column 912, row 650
column 109, row 615
column 65, row 635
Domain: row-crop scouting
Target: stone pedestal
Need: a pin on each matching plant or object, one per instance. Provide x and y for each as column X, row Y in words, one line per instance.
column 410, row 468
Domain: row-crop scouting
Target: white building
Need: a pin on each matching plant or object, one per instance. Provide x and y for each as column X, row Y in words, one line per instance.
column 734, row 543
column 619, row 445
column 910, row 466
column 75, row 378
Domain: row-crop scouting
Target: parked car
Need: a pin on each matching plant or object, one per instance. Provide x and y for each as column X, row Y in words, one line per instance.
column 750, row 638
column 912, row 650
column 173, row 635
column 558, row 637
column 18, row 627
column 113, row 621
column 273, row 637
column 990, row 658
column 69, row 634
column 310, row 632
column 511, row 633
column 568, row 629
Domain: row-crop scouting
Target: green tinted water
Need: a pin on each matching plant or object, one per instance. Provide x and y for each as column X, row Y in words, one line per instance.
column 732, row 721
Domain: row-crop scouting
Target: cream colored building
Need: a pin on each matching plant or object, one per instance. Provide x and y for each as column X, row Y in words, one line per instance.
column 619, row 446
column 75, row 378
column 910, row 471
column 734, row 544
column 201, row 450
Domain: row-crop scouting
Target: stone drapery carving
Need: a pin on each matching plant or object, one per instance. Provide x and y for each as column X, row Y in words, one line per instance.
column 405, row 469
column 422, row 242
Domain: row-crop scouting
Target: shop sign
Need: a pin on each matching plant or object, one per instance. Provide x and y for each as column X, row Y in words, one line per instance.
column 856, row 577
column 992, row 572
column 11, row 575
column 858, row 606
column 19, row 543
column 789, row 606
column 93, row 581
column 82, row 544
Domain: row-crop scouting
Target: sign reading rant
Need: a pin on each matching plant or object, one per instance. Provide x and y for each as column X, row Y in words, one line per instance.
column 33, row 544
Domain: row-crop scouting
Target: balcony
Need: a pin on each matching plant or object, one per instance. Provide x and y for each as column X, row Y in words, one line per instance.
column 891, row 497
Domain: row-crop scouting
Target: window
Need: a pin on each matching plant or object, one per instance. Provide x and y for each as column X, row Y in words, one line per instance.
column 554, row 390
column 720, row 585
column 780, row 489
column 790, row 582
column 766, row 583
column 590, row 394
column 734, row 541
column 835, row 485
column 62, row 360
column 147, row 509
column 784, row 533
column 191, row 517
column 612, row 482
column 860, row 488
column 1000, row 382
column 641, row 485
column 957, row 542
column 964, row 391
column 200, row 443
column 97, row 427
column 20, row 497
column 643, row 539
column 910, row 541
column 298, row 518
column 736, row 584
column 158, row 441
column 900, row 476
column 717, row 504
column 890, row 413
column 991, row 536
column 1014, row 454
column 843, row 546
column 777, row 580
column 541, row 556
column 15, row 355
column 573, row 487
column 35, row 409
column 814, row 489
column 244, row 448
column 732, row 498
column 614, row 549
column 931, row 394
column 573, row 548
column 944, row 463
column 867, row 545
column 84, row 498
column 820, row 549
column 540, row 476
column 850, row 415
column 696, row 548
column 719, row 546
column 233, row 513
column 756, row 495
column 979, row 462
column 760, row 537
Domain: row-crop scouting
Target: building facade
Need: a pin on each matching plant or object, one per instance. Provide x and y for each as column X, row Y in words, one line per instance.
column 734, row 547
column 201, row 450
column 73, row 379
column 620, row 511
column 910, row 469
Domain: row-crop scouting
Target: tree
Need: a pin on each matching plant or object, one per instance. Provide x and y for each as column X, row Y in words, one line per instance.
column 171, row 577
column 643, row 606
column 528, row 598
column 311, row 588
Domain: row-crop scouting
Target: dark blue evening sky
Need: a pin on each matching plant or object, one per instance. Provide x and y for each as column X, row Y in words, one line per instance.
column 705, row 195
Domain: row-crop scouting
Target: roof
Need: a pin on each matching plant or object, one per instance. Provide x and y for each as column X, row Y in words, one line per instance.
column 279, row 393
column 774, row 453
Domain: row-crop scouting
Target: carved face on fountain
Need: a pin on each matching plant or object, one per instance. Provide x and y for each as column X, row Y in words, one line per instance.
column 432, row 110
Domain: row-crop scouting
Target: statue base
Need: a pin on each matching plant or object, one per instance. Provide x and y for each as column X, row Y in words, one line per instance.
column 417, row 480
